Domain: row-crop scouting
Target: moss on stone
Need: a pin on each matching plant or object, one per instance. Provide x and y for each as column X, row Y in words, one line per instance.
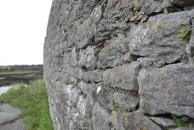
column 114, row 114
column 181, row 123
column 136, row 5
column 185, row 34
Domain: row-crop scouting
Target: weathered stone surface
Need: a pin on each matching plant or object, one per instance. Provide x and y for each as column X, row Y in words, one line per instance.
column 126, row 102
column 182, row 3
column 159, row 38
column 85, row 87
column 107, row 59
column 123, row 77
column 110, row 99
column 101, row 119
column 183, row 129
column 87, row 58
column 137, row 121
column 190, row 46
column 6, row 117
column 16, row 125
column 165, row 122
column 93, row 76
column 105, row 97
column 114, row 54
column 167, row 90
column 10, row 118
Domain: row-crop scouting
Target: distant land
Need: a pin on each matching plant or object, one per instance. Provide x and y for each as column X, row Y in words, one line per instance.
column 13, row 74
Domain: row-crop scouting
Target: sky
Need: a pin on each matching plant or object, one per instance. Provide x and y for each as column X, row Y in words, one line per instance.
column 23, row 26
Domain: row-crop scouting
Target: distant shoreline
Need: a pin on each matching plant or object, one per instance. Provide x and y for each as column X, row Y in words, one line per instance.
column 15, row 74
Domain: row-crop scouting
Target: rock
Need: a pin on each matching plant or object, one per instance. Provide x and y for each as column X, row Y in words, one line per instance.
column 87, row 58
column 101, row 119
column 126, row 102
column 85, row 87
column 159, row 38
column 167, row 4
column 137, row 121
column 6, row 117
column 165, row 122
column 10, row 118
column 93, row 76
column 190, row 46
column 110, row 99
column 182, row 3
column 8, row 114
column 122, row 77
column 107, row 59
column 10, row 109
column 183, row 129
column 167, row 90
column 114, row 54
column 151, row 6
column 105, row 97
column 16, row 125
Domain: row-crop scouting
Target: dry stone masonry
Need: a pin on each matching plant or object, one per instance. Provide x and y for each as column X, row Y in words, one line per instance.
column 120, row 64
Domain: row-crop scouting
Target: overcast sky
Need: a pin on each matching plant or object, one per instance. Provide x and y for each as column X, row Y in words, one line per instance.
column 22, row 30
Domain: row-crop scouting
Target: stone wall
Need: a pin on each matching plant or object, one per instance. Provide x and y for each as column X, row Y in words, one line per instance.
column 120, row 64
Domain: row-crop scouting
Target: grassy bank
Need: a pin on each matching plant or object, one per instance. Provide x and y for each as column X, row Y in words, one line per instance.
column 33, row 102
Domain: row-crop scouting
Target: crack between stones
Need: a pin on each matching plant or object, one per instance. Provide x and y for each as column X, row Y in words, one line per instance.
column 163, row 128
column 169, row 116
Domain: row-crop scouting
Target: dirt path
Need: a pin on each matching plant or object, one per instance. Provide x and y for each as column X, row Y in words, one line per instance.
column 10, row 118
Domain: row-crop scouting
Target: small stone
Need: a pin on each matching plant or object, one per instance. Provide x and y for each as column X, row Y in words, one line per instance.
column 182, row 3
column 123, row 77
column 165, row 122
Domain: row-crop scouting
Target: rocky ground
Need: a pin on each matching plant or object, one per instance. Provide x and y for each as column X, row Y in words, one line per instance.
column 10, row 118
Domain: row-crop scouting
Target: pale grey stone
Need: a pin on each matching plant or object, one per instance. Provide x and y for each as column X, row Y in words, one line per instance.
column 10, row 118
column 137, row 121
column 167, row 90
column 87, row 58
column 101, row 119
column 182, row 3
column 123, row 77
column 159, row 38
column 183, row 129
column 93, row 76
column 126, row 101
column 94, row 50
column 16, row 125
column 165, row 122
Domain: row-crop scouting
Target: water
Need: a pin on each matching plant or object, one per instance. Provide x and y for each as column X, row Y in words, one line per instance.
column 4, row 89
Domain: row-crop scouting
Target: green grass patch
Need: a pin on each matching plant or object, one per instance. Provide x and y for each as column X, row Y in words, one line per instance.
column 33, row 101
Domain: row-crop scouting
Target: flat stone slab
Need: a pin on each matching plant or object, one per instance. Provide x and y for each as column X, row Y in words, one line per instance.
column 10, row 118
column 6, row 117
column 16, row 125
column 167, row 90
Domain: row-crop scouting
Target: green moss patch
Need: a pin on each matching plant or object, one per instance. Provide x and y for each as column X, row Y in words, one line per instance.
column 181, row 123
column 185, row 34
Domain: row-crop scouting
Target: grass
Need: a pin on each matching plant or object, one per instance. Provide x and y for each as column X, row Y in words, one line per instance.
column 33, row 102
